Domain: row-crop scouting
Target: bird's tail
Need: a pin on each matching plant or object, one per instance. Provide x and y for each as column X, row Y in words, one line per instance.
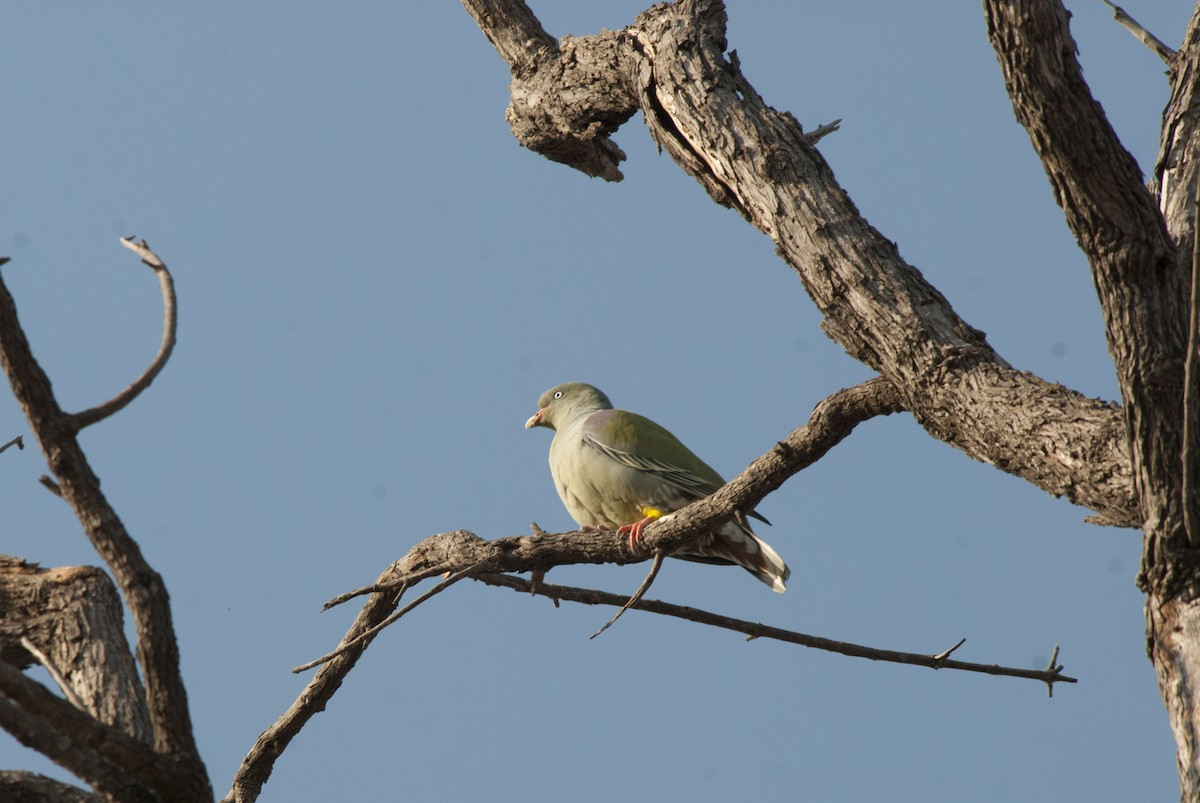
column 738, row 545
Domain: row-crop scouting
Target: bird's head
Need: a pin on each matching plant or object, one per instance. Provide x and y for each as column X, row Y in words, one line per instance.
column 564, row 402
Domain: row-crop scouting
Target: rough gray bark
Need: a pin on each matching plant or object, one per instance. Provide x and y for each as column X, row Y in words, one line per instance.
column 567, row 99
column 1124, row 462
column 80, row 487
column 29, row 787
column 73, row 618
column 1140, row 250
column 462, row 553
column 150, row 755
column 671, row 64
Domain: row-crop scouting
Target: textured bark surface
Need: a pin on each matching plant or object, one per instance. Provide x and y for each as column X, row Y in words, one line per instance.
column 73, row 617
column 141, row 586
column 671, row 65
column 29, row 787
column 1170, row 570
column 566, row 100
column 1139, row 248
column 167, row 766
column 1141, row 279
column 461, row 551
column 1124, row 462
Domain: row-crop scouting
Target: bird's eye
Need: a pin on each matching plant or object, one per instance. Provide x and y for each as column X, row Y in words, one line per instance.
column 558, row 394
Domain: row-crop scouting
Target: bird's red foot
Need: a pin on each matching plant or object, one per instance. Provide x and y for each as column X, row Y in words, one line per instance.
column 635, row 530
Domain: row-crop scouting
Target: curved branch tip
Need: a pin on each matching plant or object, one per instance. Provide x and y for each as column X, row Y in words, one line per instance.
column 170, row 325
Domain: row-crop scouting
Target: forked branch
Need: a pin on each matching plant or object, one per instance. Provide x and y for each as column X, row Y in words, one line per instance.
column 672, row 65
column 141, row 587
column 107, row 757
column 463, row 553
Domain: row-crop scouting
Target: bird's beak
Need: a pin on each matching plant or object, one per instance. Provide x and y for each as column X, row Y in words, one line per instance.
column 535, row 420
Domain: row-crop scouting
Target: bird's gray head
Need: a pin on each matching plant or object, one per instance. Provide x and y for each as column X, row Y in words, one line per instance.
column 564, row 402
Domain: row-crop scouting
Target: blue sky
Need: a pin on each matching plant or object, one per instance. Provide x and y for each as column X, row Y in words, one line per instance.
column 376, row 283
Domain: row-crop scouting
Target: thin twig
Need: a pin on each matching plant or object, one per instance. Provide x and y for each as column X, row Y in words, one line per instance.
column 170, row 323
column 637, row 595
column 50, row 485
column 1145, row 37
column 586, row 596
column 1053, row 669
column 370, row 632
column 1191, row 398
column 18, row 442
column 942, row 656
column 832, row 420
column 373, row 588
column 536, row 576
column 46, row 663
column 821, row 131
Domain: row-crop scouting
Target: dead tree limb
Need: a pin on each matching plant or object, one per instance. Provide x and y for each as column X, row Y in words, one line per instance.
column 671, row 65
column 141, row 587
column 752, row 630
column 170, row 324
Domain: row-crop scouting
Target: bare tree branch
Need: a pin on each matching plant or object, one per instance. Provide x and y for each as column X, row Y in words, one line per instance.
column 30, row 787
column 1138, row 248
column 1141, row 34
column 18, row 442
column 522, row 42
column 1191, row 402
column 33, row 732
column 753, row 630
column 831, row 421
column 141, row 587
column 107, row 758
column 670, row 64
column 631, row 602
column 513, row 29
column 371, row 632
column 71, row 620
column 821, row 131
column 55, row 675
column 461, row 551
column 170, row 324
column 258, row 764
column 1176, row 171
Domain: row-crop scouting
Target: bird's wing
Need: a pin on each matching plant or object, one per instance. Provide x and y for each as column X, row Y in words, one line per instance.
column 636, row 441
column 641, row 444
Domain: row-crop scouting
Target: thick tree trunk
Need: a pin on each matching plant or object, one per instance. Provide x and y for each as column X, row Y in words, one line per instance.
column 671, row 64
column 1140, row 250
column 1123, row 462
column 1170, row 571
column 73, row 620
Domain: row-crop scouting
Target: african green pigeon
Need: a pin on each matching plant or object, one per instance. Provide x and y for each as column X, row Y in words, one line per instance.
column 618, row 470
